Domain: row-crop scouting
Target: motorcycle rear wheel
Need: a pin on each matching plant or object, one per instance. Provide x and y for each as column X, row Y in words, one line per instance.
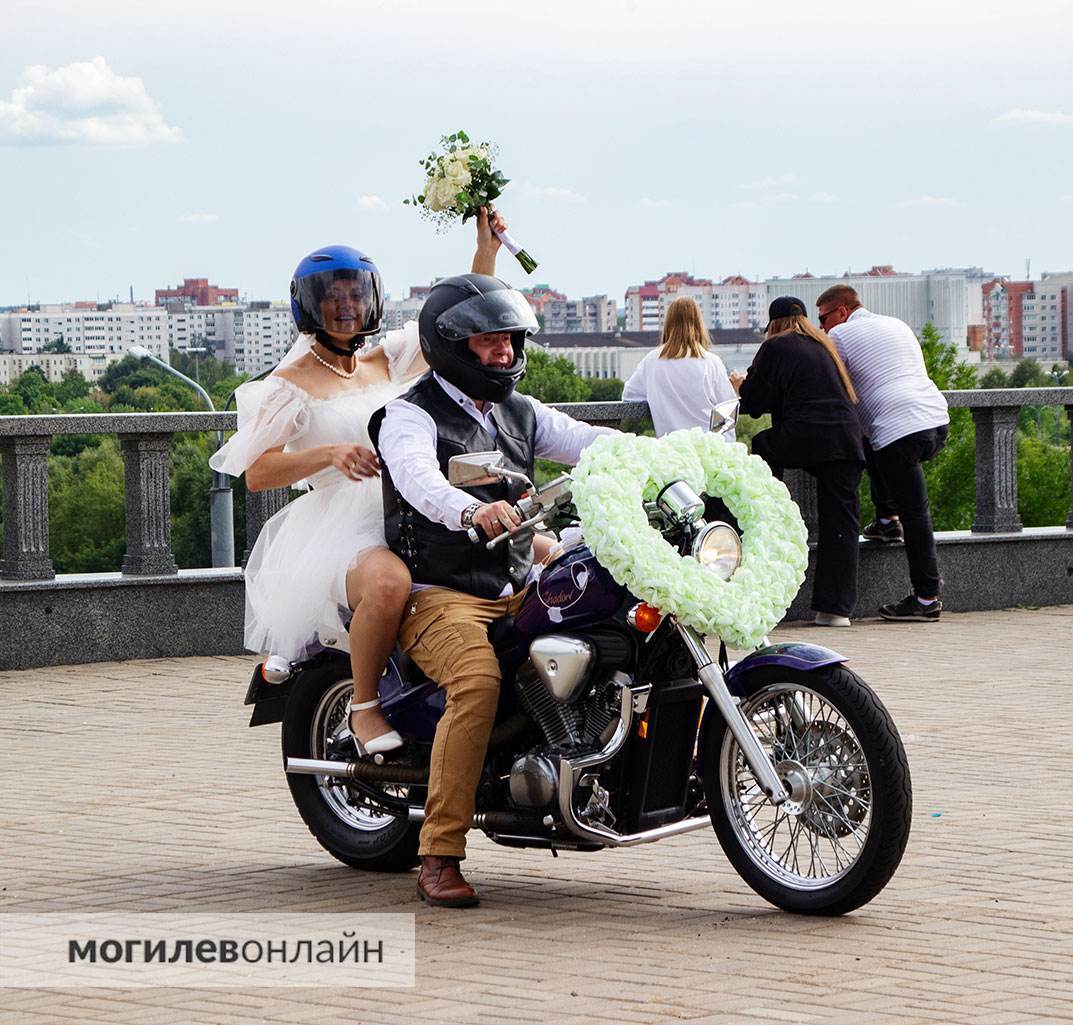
column 342, row 819
column 838, row 839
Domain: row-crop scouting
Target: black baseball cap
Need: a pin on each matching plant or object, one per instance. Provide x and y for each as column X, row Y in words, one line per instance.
column 786, row 306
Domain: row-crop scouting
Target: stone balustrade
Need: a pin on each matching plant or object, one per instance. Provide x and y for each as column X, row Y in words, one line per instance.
column 145, row 440
column 151, row 609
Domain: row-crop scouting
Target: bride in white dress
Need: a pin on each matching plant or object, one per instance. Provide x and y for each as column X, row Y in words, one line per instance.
column 307, row 424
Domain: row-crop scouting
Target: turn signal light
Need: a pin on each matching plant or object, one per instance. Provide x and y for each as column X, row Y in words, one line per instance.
column 644, row 618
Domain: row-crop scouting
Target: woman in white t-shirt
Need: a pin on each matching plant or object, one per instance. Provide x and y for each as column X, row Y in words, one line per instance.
column 682, row 380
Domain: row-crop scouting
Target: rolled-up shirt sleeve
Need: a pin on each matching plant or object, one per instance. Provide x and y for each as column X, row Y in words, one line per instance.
column 407, row 445
column 561, row 437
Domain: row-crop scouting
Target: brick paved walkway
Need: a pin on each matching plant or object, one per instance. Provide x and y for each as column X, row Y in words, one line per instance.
column 137, row 787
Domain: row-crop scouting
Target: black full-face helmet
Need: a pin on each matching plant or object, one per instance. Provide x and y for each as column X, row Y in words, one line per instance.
column 474, row 304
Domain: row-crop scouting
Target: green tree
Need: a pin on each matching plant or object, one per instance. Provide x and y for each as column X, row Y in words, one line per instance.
column 942, row 363
column 57, row 345
column 131, row 373
column 86, row 514
column 605, row 389
column 552, row 378
column 11, row 404
column 35, row 391
column 73, row 387
column 1029, row 374
column 1043, row 484
column 995, row 378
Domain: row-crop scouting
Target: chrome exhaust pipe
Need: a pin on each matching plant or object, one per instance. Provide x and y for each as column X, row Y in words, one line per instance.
column 361, row 771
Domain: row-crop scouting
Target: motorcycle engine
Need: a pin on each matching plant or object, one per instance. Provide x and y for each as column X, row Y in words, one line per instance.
column 583, row 725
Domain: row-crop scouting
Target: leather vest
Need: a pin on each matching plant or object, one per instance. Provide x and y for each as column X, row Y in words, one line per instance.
column 447, row 558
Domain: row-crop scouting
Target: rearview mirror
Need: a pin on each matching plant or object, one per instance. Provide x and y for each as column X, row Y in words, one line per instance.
column 724, row 416
column 474, row 468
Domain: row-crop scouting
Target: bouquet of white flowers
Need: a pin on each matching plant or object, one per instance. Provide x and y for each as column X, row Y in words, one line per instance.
column 459, row 181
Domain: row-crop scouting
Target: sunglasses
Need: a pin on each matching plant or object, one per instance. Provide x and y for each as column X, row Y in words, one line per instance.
column 830, row 313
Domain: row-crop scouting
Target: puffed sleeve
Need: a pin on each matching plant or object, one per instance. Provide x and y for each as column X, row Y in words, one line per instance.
column 271, row 413
column 402, row 347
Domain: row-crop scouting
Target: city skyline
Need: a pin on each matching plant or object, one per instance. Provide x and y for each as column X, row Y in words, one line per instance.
column 756, row 142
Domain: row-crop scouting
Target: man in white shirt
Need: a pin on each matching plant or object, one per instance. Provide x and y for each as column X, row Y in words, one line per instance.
column 905, row 421
column 473, row 331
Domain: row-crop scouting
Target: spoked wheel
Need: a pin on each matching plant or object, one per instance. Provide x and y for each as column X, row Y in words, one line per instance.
column 839, row 836
column 346, row 818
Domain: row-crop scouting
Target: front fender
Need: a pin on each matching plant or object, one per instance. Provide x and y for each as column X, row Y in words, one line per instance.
column 791, row 654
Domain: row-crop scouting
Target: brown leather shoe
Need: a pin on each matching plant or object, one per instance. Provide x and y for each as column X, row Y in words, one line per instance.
column 440, row 883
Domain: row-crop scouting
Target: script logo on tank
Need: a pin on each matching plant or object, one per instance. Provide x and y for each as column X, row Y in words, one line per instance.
column 562, row 594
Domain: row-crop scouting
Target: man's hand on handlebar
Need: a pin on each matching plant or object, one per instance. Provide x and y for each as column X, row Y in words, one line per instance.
column 495, row 517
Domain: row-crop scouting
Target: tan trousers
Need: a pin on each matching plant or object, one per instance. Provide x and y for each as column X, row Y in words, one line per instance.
column 446, row 633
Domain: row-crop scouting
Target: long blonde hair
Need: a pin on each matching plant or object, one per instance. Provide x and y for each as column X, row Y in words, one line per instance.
column 684, row 333
column 800, row 324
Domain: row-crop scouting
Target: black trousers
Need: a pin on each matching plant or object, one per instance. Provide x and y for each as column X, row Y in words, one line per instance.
column 898, row 489
column 838, row 506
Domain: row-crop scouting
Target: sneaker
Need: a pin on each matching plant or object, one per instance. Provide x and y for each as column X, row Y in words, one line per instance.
column 831, row 619
column 909, row 610
column 886, row 533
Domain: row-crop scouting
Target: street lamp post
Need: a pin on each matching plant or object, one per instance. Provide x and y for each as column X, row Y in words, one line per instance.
column 221, row 508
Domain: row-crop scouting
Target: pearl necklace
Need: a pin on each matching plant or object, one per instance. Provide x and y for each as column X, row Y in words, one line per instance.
column 347, row 375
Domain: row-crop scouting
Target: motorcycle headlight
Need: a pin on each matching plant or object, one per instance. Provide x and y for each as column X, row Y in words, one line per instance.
column 717, row 547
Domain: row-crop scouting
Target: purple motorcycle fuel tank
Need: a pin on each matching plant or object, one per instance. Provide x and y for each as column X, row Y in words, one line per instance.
column 573, row 591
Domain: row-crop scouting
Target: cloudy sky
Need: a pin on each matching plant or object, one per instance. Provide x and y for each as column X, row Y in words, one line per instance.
column 141, row 143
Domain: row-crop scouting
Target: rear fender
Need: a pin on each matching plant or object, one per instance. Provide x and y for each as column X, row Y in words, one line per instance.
column 790, row 654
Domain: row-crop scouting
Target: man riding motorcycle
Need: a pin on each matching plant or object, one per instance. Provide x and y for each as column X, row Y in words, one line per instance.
column 473, row 330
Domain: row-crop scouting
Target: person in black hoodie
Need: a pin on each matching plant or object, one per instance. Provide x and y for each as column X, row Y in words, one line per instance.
column 798, row 377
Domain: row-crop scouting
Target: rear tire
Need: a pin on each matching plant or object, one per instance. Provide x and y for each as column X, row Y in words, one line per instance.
column 342, row 819
column 845, row 833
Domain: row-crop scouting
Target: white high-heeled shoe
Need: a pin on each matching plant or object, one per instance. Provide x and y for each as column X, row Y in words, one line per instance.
column 381, row 745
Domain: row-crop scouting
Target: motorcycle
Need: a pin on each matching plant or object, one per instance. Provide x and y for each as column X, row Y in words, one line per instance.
column 616, row 727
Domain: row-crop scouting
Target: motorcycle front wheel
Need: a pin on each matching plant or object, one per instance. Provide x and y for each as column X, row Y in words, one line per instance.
column 344, row 818
column 838, row 838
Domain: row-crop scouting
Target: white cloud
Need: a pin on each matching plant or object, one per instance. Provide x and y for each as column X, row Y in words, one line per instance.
column 1036, row 117
column 86, row 102
column 197, row 218
column 554, row 193
column 928, row 201
column 653, row 203
column 369, row 202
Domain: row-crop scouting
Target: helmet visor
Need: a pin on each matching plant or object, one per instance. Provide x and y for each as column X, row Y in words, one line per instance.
column 342, row 302
column 502, row 310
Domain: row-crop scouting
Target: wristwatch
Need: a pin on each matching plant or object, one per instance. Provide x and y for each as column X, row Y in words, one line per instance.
column 468, row 513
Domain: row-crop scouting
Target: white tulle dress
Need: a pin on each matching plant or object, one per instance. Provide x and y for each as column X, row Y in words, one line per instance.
column 296, row 573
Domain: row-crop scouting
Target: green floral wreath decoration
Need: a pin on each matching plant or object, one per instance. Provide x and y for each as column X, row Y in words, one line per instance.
column 618, row 472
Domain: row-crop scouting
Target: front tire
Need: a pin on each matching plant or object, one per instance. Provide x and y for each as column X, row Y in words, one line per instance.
column 838, row 839
column 344, row 821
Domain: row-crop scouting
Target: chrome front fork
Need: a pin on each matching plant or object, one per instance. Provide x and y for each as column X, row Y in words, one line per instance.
column 710, row 675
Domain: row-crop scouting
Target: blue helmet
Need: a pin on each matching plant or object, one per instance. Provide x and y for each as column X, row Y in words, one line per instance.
column 337, row 290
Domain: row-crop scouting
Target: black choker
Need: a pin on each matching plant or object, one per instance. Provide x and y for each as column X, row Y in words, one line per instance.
column 355, row 343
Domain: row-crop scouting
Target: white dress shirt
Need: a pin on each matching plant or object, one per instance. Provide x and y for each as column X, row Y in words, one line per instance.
column 886, row 365
column 680, row 393
column 408, row 447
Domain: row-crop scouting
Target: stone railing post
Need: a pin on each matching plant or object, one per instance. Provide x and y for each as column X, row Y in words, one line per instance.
column 261, row 506
column 1069, row 417
column 25, row 469
column 802, row 487
column 148, row 504
column 996, row 470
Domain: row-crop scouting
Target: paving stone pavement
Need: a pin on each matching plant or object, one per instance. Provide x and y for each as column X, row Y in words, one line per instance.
column 137, row 787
